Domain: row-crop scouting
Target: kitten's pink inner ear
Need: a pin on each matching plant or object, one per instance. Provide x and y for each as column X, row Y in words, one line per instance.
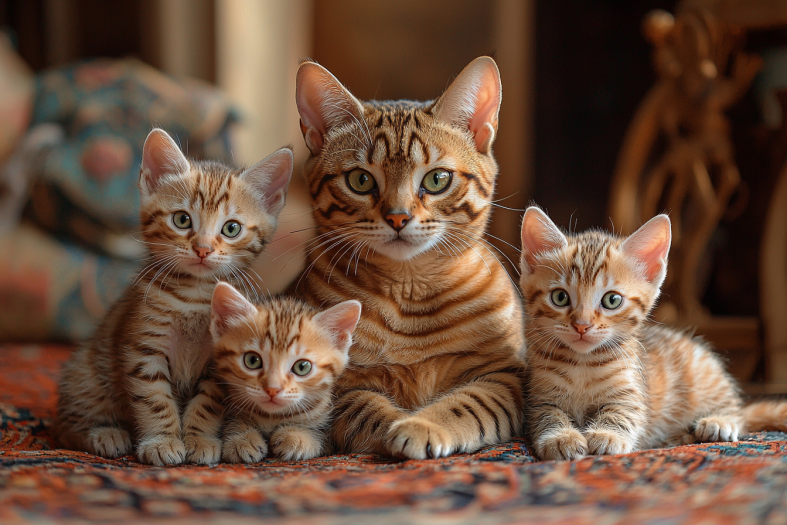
column 227, row 303
column 270, row 179
column 539, row 234
column 322, row 103
column 650, row 245
column 340, row 320
column 160, row 156
column 473, row 101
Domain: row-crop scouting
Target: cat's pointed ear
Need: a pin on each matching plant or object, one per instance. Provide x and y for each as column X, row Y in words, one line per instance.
column 539, row 234
column 472, row 102
column 649, row 246
column 323, row 102
column 270, row 179
column 227, row 307
column 160, row 156
column 340, row 321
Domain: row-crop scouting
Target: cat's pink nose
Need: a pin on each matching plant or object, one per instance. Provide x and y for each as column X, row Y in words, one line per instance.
column 202, row 251
column 398, row 220
column 581, row 328
column 272, row 391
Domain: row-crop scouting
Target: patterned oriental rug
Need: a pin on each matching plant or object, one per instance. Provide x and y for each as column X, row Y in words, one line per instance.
column 737, row 483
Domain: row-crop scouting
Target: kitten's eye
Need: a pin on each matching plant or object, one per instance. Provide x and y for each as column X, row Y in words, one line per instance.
column 252, row 361
column 231, row 229
column 560, row 297
column 611, row 300
column 181, row 220
column 361, row 181
column 436, row 181
column 302, row 367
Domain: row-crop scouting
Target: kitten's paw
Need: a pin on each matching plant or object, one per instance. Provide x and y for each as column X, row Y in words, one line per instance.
column 563, row 444
column 202, row 450
column 109, row 442
column 416, row 438
column 602, row 441
column 717, row 428
column 295, row 444
column 246, row 447
column 161, row 451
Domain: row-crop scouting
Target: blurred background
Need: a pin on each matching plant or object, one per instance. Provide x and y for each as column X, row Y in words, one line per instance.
column 601, row 99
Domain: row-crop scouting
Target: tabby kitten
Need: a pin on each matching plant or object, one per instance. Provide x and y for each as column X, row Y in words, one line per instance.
column 277, row 363
column 142, row 376
column 406, row 186
column 601, row 379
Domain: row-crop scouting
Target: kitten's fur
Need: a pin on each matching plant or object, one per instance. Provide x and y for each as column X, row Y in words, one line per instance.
column 140, row 379
column 602, row 380
column 269, row 401
column 435, row 361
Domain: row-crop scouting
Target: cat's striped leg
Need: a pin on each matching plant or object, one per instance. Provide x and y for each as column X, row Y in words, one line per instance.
column 153, row 406
column 616, row 429
column 483, row 412
column 553, row 433
column 242, row 442
column 202, row 424
column 362, row 421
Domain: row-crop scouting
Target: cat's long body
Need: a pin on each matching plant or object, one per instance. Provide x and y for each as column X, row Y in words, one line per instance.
column 601, row 379
column 402, row 196
column 141, row 379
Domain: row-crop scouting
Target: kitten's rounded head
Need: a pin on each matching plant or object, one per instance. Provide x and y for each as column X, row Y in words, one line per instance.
column 280, row 356
column 401, row 178
column 203, row 218
column 589, row 290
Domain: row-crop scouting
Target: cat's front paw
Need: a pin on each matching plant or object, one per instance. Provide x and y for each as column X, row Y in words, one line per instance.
column 561, row 444
column 109, row 442
column 602, row 441
column 202, row 450
column 161, row 451
column 295, row 444
column 717, row 428
column 416, row 438
column 245, row 447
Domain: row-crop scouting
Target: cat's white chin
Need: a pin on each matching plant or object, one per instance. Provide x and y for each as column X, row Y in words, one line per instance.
column 582, row 346
column 400, row 249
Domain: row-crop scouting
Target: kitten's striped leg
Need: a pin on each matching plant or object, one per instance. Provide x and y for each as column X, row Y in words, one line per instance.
column 156, row 414
column 616, row 429
column 553, row 432
column 483, row 412
column 242, row 441
column 297, row 442
column 363, row 418
column 202, row 424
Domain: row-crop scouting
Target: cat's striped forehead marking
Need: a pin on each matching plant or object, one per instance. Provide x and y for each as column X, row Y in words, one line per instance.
column 589, row 257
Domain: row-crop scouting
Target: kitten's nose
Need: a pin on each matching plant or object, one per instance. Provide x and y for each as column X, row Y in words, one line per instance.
column 202, row 251
column 581, row 328
column 398, row 220
column 272, row 391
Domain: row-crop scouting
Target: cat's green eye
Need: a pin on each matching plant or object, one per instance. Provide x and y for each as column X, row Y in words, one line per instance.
column 436, row 181
column 361, row 181
column 181, row 219
column 231, row 229
column 560, row 297
column 302, row 367
column 611, row 300
column 252, row 361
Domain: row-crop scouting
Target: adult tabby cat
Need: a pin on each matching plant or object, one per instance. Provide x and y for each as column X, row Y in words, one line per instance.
column 277, row 363
column 602, row 380
column 406, row 186
column 140, row 378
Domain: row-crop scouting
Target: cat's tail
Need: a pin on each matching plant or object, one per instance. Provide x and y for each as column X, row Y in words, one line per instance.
column 766, row 415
